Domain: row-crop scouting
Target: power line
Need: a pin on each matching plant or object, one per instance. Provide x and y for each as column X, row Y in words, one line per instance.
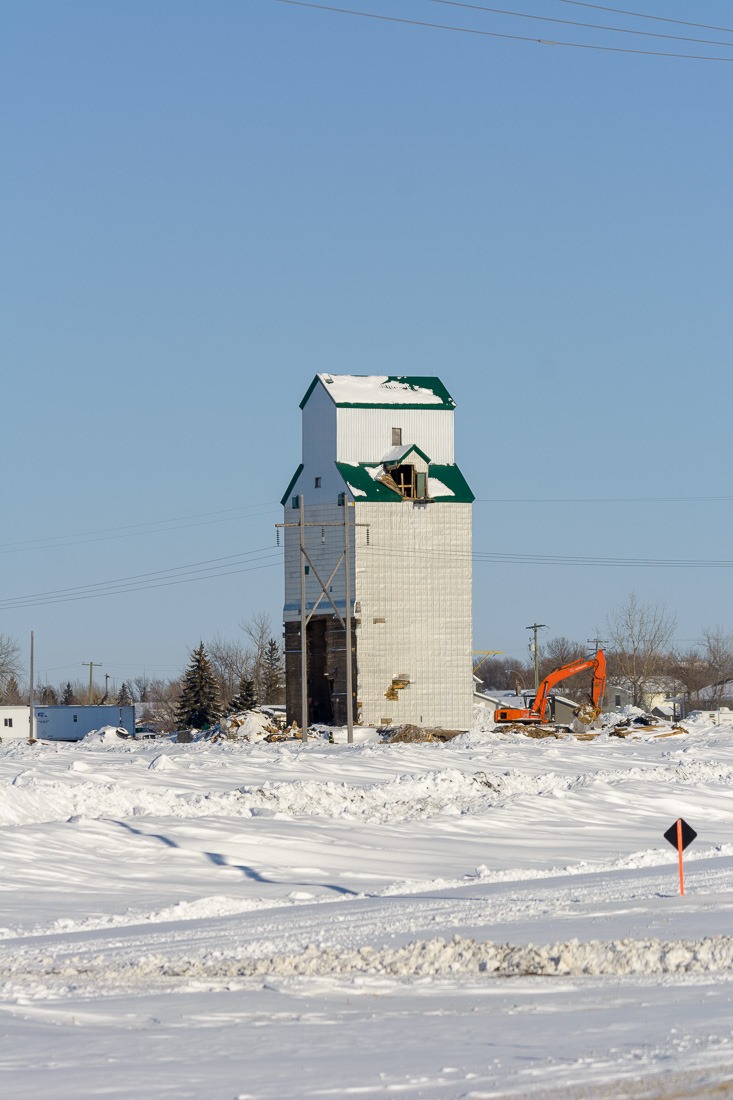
column 602, row 500
column 578, row 23
column 642, row 15
column 498, row 34
column 191, row 567
column 151, row 527
column 520, row 558
column 145, row 581
column 139, row 588
column 221, row 567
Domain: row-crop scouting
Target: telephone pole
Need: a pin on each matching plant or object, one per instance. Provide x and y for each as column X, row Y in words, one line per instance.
column 305, row 616
column 92, row 666
column 32, row 700
column 533, row 646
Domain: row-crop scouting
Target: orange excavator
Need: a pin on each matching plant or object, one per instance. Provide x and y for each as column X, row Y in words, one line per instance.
column 586, row 713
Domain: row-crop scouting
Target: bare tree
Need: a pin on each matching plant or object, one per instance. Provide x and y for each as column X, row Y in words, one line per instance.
column 258, row 629
column 504, row 673
column 9, row 660
column 230, row 662
column 140, row 687
column 691, row 668
column 640, row 634
column 161, row 704
column 718, row 653
column 558, row 652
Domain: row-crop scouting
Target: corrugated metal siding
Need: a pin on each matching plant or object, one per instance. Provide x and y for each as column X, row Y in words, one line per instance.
column 414, row 579
column 319, row 431
column 325, row 546
column 365, row 435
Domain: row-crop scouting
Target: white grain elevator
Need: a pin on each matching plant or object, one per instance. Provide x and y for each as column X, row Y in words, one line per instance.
column 379, row 449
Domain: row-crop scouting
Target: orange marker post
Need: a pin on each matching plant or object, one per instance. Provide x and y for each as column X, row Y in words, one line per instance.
column 680, row 850
column 679, row 836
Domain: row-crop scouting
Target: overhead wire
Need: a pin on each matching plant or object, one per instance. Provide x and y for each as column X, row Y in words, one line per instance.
column 603, row 500
column 138, row 588
column 497, row 34
column 644, row 15
column 579, row 23
column 229, row 564
column 188, row 567
column 521, row 558
column 151, row 527
column 163, row 578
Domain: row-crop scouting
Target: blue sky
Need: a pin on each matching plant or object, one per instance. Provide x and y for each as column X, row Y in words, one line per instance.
column 206, row 204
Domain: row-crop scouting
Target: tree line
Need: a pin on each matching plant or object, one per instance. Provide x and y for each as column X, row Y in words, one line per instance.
column 237, row 675
column 636, row 639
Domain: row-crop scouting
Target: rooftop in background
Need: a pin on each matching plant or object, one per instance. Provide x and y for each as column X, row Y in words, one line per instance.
column 366, row 391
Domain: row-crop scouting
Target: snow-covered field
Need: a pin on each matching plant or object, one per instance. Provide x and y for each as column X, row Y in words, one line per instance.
column 496, row 916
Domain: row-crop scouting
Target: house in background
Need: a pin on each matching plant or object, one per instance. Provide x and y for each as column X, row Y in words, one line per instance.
column 662, row 696
column 378, row 452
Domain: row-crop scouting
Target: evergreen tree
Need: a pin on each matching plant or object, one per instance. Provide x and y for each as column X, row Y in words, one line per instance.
column 124, row 699
column 272, row 673
column 49, row 696
column 199, row 704
column 67, row 699
column 245, row 698
column 12, row 695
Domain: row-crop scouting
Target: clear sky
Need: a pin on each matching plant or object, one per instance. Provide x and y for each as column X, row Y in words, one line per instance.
column 207, row 203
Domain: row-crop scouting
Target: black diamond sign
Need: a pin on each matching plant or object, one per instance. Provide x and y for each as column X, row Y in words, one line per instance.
column 688, row 834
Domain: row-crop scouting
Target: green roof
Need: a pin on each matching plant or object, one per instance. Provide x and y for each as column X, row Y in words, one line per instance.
column 383, row 391
column 364, row 487
column 291, row 484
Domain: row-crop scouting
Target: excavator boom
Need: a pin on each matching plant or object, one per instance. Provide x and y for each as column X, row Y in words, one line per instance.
column 538, row 709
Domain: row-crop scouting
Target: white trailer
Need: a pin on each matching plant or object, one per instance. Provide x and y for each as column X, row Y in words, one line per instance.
column 60, row 723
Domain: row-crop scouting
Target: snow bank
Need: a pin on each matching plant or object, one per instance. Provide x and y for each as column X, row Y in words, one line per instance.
column 30, row 799
column 105, row 735
column 434, row 958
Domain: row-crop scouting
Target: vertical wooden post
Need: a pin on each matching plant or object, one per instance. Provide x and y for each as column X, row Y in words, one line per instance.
column 32, row 697
column 303, row 630
column 679, row 852
column 347, row 624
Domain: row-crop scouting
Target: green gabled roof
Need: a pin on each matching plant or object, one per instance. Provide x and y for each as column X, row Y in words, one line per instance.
column 401, row 454
column 364, row 487
column 357, row 391
column 454, row 481
column 291, row 483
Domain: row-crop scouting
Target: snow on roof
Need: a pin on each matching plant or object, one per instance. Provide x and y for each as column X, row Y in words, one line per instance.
column 395, row 455
column 438, row 488
column 385, row 390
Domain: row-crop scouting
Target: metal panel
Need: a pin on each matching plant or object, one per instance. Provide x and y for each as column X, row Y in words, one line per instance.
column 365, row 435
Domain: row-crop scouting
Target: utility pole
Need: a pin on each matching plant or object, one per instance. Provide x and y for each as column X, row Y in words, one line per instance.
column 306, row 616
column 92, row 666
column 535, row 627
column 347, row 578
column 596, row 642
column 32, row 700
column 303, row 628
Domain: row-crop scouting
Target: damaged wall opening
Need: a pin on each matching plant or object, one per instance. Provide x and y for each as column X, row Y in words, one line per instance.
column 411, row 484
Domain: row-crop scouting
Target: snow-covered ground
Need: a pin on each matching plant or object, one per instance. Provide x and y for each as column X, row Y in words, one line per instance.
column 494, row 916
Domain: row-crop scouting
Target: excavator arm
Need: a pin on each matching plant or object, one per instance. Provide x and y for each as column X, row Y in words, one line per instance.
column 538, row 709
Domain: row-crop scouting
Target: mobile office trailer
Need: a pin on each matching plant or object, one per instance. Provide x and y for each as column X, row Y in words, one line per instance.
column 72, row 723
column 60, row 723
